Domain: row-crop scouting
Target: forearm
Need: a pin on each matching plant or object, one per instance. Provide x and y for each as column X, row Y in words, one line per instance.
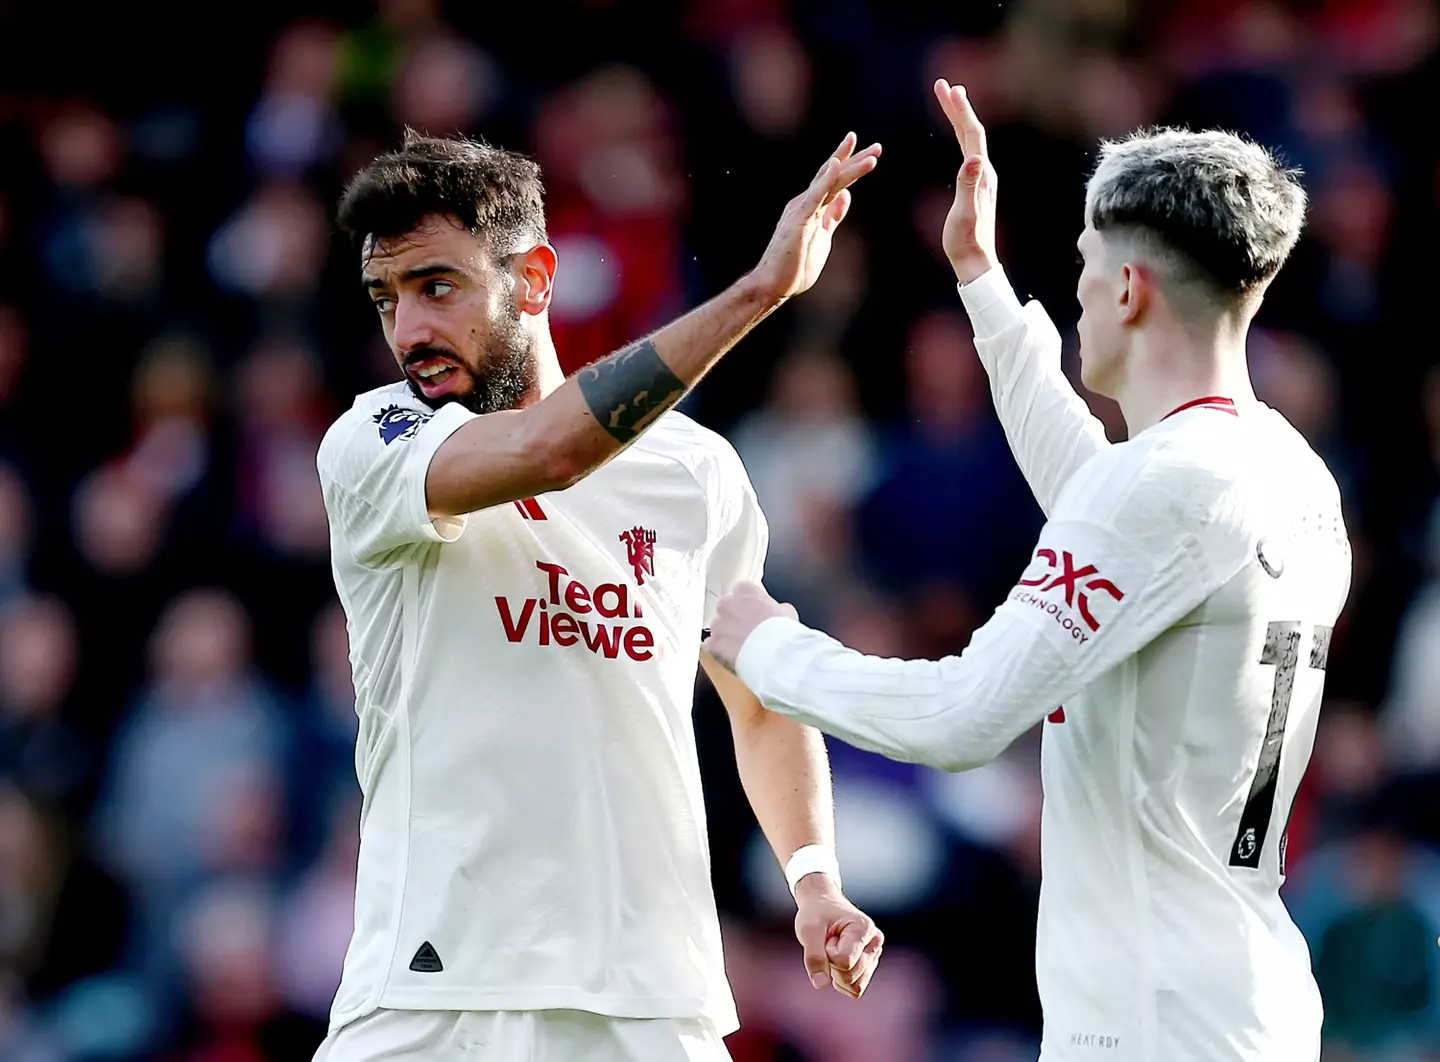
column 786, row 775
column 955, row 713
column 783, row 768
column 1050, row 429
column 594, row 414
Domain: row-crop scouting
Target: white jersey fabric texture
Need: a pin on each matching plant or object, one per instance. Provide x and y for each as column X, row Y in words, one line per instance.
column 1172, row 629
column 533, row 833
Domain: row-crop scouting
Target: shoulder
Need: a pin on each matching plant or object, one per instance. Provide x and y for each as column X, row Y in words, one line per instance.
column 374, row 421
column 1166, row 484
column 709, row 456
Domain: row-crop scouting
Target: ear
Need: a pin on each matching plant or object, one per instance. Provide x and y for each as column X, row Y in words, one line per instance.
column 1136, row 292
column 536, row 275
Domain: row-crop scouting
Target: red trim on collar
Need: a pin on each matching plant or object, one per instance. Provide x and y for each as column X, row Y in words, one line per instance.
column 1225, row 405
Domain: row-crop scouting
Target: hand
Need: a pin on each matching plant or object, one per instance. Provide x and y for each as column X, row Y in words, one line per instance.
column 842, row 944
column 801, row 243
column 969, row 236
column 738, row 613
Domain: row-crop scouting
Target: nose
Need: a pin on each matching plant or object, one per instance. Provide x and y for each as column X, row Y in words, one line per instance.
column 414, row 325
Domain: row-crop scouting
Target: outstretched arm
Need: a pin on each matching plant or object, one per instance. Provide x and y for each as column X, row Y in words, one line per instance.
column 597, row 412
column 1050, row 429
column 1104, row 582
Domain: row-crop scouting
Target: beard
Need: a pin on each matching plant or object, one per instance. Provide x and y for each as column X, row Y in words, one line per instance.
column 504, row 377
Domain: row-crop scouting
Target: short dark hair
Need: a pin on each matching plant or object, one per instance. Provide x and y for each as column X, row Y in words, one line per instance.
column 1223, row 204
column 492, row 192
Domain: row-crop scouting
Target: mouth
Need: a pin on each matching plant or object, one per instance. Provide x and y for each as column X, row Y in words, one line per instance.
column 434, row 376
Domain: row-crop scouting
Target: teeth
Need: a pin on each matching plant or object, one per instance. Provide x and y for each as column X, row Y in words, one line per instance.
column 434, row 370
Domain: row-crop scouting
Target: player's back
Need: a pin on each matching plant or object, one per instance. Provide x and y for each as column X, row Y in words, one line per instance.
column 1169, row 782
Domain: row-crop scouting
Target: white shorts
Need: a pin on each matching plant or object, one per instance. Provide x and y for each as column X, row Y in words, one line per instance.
column 520, row 1036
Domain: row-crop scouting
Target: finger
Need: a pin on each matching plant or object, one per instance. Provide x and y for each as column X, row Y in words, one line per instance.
column 845, row 948
column 971, row 171
column 942, row 93
column 812, row 940
column 819, row 191
column 851, row 171
column 855, row 980
column 865, row 973
column 836, row 211
column 845, row 149
column 972, row 133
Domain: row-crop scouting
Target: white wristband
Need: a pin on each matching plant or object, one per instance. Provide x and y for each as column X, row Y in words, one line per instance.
column 812, row 859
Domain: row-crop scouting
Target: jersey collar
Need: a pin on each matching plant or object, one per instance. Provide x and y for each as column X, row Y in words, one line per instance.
column 1225, row 405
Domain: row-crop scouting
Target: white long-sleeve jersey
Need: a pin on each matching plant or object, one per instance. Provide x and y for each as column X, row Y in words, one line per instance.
column 1173, row 628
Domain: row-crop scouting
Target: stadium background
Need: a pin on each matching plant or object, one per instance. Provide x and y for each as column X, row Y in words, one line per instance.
column 178, row 325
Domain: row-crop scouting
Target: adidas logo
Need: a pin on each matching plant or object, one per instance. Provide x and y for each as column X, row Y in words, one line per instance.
column 426, row 961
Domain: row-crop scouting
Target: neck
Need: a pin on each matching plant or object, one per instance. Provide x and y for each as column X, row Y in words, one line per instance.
column 1169, row 368
column 548, row 376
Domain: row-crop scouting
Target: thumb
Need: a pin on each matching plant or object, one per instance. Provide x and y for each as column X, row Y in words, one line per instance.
column 812, row 936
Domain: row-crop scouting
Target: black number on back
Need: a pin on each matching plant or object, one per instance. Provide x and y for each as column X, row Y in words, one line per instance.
column 1282, row 648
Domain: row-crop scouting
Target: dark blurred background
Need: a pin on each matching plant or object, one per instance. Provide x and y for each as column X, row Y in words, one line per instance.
column 179, row 323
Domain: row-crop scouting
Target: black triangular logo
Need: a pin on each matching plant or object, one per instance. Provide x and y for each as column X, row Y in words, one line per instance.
column 426, row 961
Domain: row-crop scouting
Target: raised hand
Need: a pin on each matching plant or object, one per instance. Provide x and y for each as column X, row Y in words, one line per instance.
column 801, row 244
column 969, row 236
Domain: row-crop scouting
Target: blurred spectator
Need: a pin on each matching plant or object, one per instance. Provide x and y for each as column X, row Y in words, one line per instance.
column 613, row 199
column 446, row 85
column 119, row 522
column 204, row 725
column 293, row 126
column 62, row 917
column 273, row 247
column 282, row 412
column 370, row 55
column 81, row 147
column 770, row 77
column 810, row 456
column 949, row 522
column 112, row 249
column 1370, row 902
column 39, row 748
column 318, row 917
column 234, row 1008
column 171, row 401
column 1410, row 720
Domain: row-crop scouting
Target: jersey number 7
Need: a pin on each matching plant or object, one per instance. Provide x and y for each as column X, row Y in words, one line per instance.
column 1282, row 648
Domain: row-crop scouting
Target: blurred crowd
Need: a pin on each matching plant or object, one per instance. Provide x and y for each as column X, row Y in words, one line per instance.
column 179, row 324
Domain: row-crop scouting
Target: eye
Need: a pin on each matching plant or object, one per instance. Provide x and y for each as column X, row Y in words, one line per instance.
column 437, row 289
column 384, row 303
column 1079, row 259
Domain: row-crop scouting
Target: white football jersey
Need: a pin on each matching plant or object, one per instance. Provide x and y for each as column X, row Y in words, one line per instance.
column 533, row 834
column 1173, row 627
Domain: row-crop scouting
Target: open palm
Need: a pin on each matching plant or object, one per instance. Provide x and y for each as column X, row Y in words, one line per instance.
column 801, row 243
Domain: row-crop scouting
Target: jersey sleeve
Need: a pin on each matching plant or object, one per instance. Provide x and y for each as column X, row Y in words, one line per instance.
column 1050, row 429
column 372, row 470
column 1110, row 573
column 741, row 535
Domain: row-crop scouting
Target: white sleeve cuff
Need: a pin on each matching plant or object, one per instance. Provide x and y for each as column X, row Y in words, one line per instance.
column 991, row 302
column 767, row 646
column 448, row 419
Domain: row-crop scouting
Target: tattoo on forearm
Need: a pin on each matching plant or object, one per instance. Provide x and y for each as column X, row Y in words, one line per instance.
column 629, row 389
